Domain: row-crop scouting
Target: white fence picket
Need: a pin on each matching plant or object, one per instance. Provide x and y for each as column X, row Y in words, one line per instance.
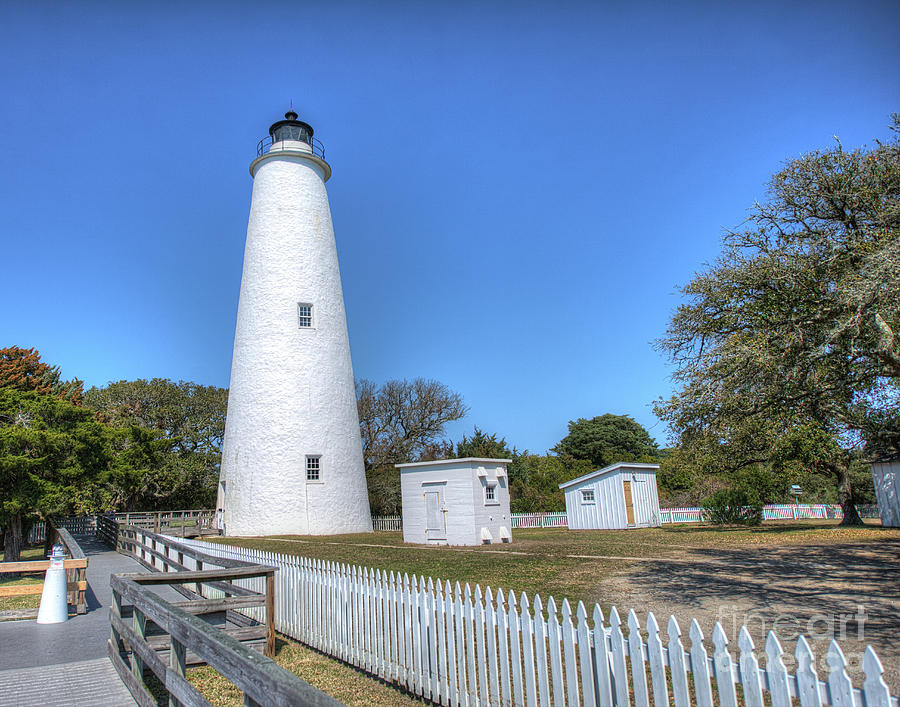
column 776, row 672
column 554, row 637
column 458, row 610
column 540, row 652
column 620, row 669
column 638, row 667
column 700, row 667
column 750, row 677
column 657, row 663
column 527, row 632
column 468, row 615
column 515, row 650
column 840, row 687
column 807, row 680
column 490, row 622
column 481, row 647
column 568, row 631
column 584, row 655
column 503, row 650
column 450, row 616
column 602, row 677
column 874, row 687
column 680, row 695
column 722, row 667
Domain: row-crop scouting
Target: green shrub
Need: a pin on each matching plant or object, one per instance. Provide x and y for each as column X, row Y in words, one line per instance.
column 738, row 506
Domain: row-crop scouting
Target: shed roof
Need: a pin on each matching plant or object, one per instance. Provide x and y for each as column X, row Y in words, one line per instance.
column 608, row 470
column 463, row 460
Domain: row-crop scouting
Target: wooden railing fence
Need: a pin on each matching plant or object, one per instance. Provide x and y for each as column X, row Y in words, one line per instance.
column 459, row 646
column 77, row 525
column 76, row 573
column 150, row 633
column 185, row 523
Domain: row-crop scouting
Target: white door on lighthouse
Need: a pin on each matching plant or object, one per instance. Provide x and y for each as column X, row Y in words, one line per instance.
column 435, row 525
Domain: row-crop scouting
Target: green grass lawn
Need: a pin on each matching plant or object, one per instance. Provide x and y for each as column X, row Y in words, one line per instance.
column 345, row 683
column 28, row 601
column 555, row 561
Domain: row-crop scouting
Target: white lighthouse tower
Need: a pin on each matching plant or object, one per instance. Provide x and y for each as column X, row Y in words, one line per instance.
column 292, row 458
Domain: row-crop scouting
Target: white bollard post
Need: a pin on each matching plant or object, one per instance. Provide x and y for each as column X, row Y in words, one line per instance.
column 54, row 607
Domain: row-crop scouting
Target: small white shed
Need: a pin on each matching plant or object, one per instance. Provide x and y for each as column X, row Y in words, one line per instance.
column 886, row 478
column 456, row 501
column 622, row 495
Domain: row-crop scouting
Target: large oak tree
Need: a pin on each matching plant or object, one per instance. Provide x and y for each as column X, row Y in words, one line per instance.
column 788, row 343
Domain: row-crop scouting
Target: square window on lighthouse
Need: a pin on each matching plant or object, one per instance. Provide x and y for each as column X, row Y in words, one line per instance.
column 304, row 315
column 313, row 468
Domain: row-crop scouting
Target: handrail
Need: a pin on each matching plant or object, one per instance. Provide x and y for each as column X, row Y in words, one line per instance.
column 189, row 637
column 265, row 145
column 71, row 545
column 263, row 681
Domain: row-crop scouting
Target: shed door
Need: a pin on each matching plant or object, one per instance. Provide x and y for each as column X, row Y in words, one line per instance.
column 435, row 526
column 629, row 503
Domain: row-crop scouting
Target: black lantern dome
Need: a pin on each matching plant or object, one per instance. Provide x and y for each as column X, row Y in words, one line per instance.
column 291, row 129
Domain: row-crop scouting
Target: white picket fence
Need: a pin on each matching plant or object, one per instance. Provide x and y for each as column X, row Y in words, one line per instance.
column 558, row 519
column 387, row 523
column 550, row 519
column 555, row 519
column 458, row 646
column 782, row 511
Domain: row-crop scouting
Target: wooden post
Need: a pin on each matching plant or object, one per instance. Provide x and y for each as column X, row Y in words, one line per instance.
column 116, row 610
column 81, row 576
column 176, row 663
column 156, row 518
column 182, row 524
column 270, row 615
column 140, row 628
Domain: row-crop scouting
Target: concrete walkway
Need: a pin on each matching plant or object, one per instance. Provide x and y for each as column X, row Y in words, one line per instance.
column 67, row 663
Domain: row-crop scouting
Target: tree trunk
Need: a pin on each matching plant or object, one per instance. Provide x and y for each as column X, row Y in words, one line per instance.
column 845, row 495
column 13, row 540
column 49, row 537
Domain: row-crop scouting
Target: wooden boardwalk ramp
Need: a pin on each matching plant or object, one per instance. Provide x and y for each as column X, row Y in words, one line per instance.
column 136, row 623
column 67, row 663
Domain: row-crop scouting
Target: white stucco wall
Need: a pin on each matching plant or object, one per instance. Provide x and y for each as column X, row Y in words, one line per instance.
column 608, row 509
column 467, row 518
column 292, row 391
column 886, row 478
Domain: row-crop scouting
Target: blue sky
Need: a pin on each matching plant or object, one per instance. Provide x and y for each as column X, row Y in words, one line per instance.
column 519, row 188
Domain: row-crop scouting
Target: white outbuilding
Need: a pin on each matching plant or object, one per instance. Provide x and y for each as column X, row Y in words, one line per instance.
column 456, row 501
column 623, row 495
column 886, row 478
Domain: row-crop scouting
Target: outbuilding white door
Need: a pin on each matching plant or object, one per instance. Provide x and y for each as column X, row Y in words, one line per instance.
column 435, row 514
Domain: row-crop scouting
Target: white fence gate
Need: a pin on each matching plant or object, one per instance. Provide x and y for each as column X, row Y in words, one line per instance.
column 458, row 646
